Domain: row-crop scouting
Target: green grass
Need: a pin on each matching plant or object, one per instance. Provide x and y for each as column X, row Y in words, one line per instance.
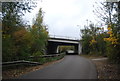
column 49, row 59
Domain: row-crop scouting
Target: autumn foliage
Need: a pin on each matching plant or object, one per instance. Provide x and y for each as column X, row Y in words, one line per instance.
column 20, row 41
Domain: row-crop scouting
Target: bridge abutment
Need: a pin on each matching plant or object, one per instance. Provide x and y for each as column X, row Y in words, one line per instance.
column 54, row 43
column 52, row 48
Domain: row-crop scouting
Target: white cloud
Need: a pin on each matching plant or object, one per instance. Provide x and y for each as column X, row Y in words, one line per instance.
column 63, row 16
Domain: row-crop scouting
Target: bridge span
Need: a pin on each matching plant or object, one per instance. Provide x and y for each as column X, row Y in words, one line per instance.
column 54, row 43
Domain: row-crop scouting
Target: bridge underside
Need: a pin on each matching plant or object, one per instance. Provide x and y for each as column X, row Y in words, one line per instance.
column 52, row 47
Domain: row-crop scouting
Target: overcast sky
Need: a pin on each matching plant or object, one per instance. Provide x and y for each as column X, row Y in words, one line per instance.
column 63, row 16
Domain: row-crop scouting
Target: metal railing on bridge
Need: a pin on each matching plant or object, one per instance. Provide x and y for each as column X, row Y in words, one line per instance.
column 64, row 37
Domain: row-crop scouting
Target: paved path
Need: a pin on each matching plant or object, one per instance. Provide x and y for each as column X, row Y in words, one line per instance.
column 71, row 67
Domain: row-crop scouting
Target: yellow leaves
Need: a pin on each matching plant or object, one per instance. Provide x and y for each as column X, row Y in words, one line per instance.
column 111, row 38
column 110, row 32
column 93, row 41
column 109, row 28
column 106, row 39
column 111, row 35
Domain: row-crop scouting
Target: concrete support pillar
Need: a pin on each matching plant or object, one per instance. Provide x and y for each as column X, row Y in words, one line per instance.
column 57, row 51
column 79, row 48
column 76, row 49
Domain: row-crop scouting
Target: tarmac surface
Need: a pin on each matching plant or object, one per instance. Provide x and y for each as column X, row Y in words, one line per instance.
column 71, row 67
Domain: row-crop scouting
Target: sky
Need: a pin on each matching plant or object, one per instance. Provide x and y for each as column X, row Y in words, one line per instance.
column 64, row 18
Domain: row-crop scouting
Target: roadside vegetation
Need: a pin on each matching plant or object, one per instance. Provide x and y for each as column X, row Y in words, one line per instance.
column 20, row 41
column 103, row 40
column 18, row 70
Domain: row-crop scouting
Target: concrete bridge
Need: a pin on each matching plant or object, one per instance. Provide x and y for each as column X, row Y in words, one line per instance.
column 54, row 43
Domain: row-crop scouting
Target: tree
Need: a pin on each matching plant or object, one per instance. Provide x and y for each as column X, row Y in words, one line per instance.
column 11, row 15
column 111, row 18
column 85, row 40
column 39, row 35
column 92, row 40
column 12, row 24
